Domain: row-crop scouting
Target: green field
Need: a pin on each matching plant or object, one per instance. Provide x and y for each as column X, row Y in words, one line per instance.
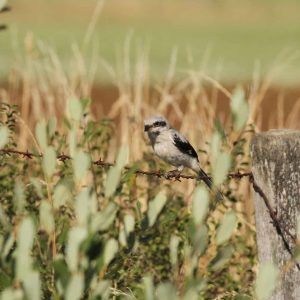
column 221, row 38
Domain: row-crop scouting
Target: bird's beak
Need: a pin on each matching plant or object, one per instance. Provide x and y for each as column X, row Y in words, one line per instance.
column 146, row 128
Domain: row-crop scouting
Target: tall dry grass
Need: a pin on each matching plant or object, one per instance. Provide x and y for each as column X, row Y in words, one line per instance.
column 42, row 86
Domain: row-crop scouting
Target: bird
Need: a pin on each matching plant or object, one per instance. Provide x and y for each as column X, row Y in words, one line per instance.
column 174, row 148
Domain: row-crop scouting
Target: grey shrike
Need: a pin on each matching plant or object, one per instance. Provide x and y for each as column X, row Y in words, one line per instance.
column 172, row 147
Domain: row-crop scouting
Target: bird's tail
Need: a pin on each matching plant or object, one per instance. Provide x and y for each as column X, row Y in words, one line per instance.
column 209, row 183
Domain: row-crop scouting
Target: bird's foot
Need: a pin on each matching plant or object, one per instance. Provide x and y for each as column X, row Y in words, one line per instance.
column 173, row 174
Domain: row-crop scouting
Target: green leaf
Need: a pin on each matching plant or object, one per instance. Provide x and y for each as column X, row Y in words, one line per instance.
column 32, row 285
column 4, row 135
column 3, row 3
column 37, row 183
column 52, row 126
column 62, row 195
column 19, row 196
column 155, row 207
column 228, row 224
column 25, row 242
column 122, row 158
column 222, row 257
column 75, row 287
column 191, row 294
column 221, row 166
column 4, row 221
column 72, row 141
column 174, row 243
column 46, row 217
column 266, row 280
column 41, row 134
column 111, row 249
column 75, row 109
column 103, row 219
column 166, row 291
column 129, row 223
column 149, row 287
column 102, row 289
column 10, row 294
column 82, row 207
column 239, row 108
column 200, row 204
column 76, row 236
column 112, row 181
column 114, row 173
column 49, row 161
column 81, row 163
column 200, row 240
column 298, row 227
column 215, row 145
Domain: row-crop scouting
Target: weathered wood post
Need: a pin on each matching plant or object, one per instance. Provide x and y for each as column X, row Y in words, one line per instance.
column 276, row 169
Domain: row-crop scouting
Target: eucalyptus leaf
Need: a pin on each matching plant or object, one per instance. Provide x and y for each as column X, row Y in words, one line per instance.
column 239, row 108
column 19, row 196
column 111, row 249
column 148, row 287
column 112, row 181
column 222, row 257
column 122, row 237
column 103, row 219
column 221, row 166
column 191, row 294
column 82, row 206
column 61, row 196
column 76, row 236
column 75, row 109
column 174, row 243
column 3, row 3
column 25, row 242
column 32, row 285
column 122, row 158
column 4, row 135
column 49, row 161
column 155, row 207
column 8, row 293
column 114, row 173
column 166, row 291
column 200, row 240
column 52, row 126
column 75, row 287
column 298, row 227
column 81, row 163
column 41, row 134
column 228, row 224
column 46, row 217
column 102, row 289
column 4, row 221
column 266, row 280
column 129, row 223
column 72, row 141
column 200, row 204
column 215, row 145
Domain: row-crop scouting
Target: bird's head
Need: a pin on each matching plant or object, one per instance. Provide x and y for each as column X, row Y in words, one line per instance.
column 155, row 125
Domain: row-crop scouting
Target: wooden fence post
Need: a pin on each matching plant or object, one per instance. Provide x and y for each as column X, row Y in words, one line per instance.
column 276, row 170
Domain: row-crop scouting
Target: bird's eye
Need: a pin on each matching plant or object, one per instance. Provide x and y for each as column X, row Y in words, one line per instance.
column 159, row 124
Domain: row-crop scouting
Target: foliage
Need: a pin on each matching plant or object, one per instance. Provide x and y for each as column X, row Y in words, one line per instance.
column 74, row 230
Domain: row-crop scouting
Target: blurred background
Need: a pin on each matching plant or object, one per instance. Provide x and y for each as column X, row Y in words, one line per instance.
column 178, row 58
column 228, row 39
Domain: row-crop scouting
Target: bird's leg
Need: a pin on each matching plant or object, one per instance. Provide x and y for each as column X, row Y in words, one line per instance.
column 174, row 173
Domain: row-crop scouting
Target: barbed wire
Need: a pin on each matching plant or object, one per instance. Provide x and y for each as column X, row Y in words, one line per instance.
column 280, row 228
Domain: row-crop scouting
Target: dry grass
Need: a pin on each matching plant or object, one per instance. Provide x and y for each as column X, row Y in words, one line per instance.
column 42, row 88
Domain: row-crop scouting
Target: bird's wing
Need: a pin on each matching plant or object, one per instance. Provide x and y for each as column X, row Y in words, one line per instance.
column 183, row 144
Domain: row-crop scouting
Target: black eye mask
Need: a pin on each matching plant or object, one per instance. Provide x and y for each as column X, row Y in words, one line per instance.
column 159, row 124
